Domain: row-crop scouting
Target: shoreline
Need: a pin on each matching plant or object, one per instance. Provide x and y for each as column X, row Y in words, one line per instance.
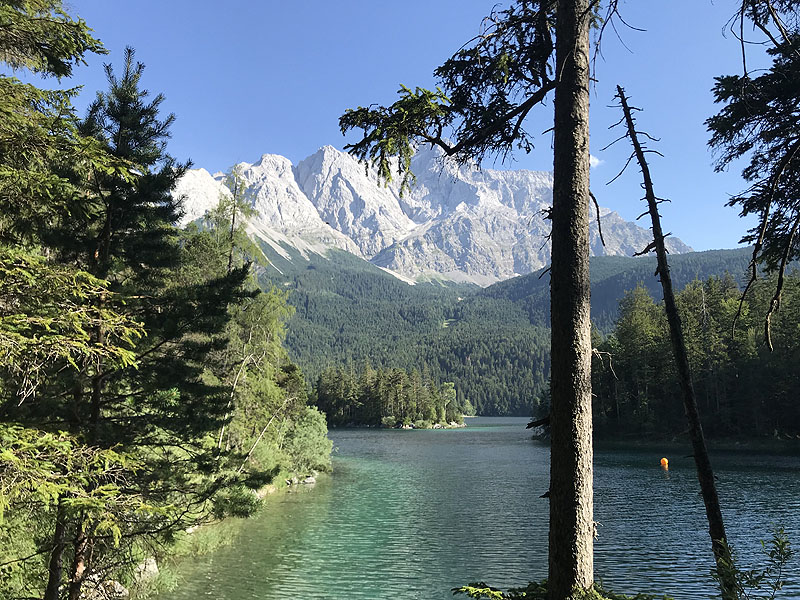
column 768, row 445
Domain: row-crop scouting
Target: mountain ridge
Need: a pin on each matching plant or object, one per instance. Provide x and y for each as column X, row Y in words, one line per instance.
column 457, row 223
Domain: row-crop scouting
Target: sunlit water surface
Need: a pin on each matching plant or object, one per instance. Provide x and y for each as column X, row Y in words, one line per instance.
column 412, row 514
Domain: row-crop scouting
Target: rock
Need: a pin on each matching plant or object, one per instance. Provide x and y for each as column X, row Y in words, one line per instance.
column 310, row 480
column 106, row 590
column 459, row 223
column 146, row 570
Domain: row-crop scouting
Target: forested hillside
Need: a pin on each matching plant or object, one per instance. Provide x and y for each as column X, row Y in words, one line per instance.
column 348, row 310
column 612, row 276
column 492, row 343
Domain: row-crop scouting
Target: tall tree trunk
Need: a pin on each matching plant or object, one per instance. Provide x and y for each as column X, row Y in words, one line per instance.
column 81, row 560
column 55, row 566
column 571, row 496
column 234, row 206
column 705, row 474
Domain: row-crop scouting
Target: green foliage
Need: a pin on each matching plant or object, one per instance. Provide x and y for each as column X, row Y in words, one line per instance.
column 759, row 121
column 384, row 398
column 128, row 346
column 742, row 388
column 38, row 35
column 486, row 90
column 228, row 222
column 44, row 468
column 46, row 476
column 307, row 443
column 492, row 343
column 44, row 161
column 538, row 591
column 391, row 132
column 759, row 584
column 47, row 318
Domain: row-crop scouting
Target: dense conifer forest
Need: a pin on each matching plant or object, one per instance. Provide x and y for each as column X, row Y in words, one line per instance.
column 492, row 343
column 144, row 388
column 743, row 389
column 387, row 398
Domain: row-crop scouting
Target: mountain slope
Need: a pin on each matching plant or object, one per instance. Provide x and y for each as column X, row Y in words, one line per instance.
column 612, row 276
column 456, row 223
column 493, row 343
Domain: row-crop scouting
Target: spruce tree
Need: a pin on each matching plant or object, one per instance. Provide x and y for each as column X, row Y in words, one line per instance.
column 161, row 410
column 760, row 121
column 48, row 310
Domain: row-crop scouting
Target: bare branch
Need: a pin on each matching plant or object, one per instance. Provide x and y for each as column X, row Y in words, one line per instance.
column 648, row 248
column 622, row 137
column 618, row 175
column 597, row 211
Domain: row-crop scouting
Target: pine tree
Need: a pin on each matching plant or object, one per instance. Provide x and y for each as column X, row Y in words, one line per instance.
column 161, row 410
column 760, row 121
column 48, row 310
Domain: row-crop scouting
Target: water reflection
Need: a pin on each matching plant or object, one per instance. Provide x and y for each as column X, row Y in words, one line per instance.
column 411, row 514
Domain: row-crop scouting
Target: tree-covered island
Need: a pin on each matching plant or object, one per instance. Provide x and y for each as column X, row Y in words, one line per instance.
column 387, row 398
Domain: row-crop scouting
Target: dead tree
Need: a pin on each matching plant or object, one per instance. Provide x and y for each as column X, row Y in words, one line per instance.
column 716, row 527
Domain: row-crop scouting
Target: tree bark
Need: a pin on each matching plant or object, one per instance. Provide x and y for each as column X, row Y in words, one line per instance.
column 55, row 566
column 705, row 473
column 571, row 496
column 80, row 562
column 234, row 206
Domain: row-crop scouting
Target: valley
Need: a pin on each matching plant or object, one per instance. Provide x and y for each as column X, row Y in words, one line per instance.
column 493, row 342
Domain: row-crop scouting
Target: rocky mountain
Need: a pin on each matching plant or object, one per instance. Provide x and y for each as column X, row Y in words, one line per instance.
column 457, row 223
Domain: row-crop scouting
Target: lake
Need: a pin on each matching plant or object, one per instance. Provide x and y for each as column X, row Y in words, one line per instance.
column 411, row 514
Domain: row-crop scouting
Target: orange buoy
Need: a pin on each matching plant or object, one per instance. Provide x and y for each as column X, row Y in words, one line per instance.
column 665, row 463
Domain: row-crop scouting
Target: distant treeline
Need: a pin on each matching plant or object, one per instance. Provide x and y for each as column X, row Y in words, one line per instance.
column 386, row 398
column 742, row 388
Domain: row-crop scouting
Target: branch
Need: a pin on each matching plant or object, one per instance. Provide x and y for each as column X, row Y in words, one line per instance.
column 775, row 303
column 599, row 226
column 650, row 246
column 773, row 186
column 483, row 133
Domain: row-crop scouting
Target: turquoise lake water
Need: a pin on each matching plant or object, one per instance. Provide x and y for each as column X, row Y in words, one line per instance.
column 411, row 514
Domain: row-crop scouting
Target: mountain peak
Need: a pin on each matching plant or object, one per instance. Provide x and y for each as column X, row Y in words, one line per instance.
column 458, row 222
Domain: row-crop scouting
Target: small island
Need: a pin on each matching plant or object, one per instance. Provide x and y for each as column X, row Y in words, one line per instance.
column 390, row 398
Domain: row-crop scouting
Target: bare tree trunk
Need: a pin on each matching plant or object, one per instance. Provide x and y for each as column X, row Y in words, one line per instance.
column 571, row 496
column 235, row 194
column 55, row 566
column 705, row 474
column 80, row 562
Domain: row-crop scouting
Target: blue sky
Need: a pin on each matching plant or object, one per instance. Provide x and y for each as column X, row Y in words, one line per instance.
column 248, row 78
